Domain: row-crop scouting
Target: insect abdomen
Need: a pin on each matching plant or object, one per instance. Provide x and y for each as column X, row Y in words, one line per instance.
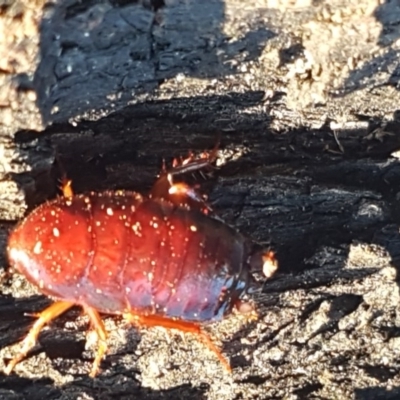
column 115, row 252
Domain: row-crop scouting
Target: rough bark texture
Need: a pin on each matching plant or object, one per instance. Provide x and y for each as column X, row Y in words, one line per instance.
column 304, row 95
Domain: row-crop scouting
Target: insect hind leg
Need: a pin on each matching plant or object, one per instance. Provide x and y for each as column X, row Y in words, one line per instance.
column 65, row 183
column 181, row 193
column 44, row 317
column 183, row 326
column 101, row 337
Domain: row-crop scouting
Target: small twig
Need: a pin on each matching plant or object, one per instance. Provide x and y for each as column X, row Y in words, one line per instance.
column 336, row 136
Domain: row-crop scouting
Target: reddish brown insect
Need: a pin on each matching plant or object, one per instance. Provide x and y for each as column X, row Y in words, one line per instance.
column 158, row 260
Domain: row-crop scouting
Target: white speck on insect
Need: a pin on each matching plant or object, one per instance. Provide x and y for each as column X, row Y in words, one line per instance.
column 136, row 228
column 38, row 247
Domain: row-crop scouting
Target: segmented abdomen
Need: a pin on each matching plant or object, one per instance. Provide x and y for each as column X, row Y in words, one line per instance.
column 116, row 251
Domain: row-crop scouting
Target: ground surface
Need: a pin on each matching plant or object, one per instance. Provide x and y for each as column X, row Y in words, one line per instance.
column 304, row 95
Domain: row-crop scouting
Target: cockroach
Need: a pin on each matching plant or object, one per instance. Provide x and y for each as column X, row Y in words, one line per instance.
column 156, row 260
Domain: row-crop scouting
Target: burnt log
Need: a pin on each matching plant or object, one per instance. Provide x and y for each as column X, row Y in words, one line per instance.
column 307, row 165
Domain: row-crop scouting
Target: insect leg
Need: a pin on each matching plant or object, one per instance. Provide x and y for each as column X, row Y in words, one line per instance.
column 183, row 326
column 29, row 342
column 101, row 333
column 181, row 193
column 66, row 187
column 65, row 184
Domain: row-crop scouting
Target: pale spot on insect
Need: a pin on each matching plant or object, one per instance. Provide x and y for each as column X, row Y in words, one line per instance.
column 52, row 213
column 150, row 276
column 98, row 223
column 38, row 247
column 35, row 273
column 41, row 284
column 98, row 291
column 152, row 262
column 116, row 241
column 127, row 290
column 110, row 273
column 193, row 228
column 110, row 211
column 136, row 228
column 56, row 232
